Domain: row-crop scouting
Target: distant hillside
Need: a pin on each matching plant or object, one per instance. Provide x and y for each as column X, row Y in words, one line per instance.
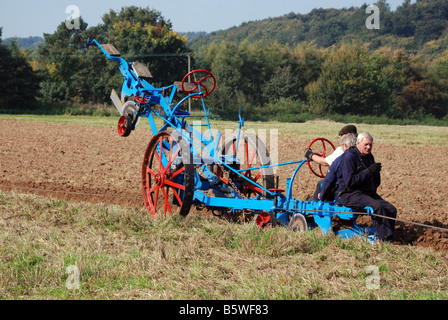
column 193, row 35
column 26, row 43
column 410, row 27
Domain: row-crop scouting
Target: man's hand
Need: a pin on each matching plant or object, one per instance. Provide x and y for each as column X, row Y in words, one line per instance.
column 375, row 168
column 309, row 154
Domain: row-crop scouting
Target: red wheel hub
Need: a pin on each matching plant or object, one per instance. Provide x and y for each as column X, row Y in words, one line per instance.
column 124, row 126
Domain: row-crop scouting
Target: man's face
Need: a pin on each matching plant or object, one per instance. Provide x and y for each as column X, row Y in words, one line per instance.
column 364, row 146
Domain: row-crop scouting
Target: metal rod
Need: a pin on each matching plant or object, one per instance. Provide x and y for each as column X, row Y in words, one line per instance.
column 269, row 166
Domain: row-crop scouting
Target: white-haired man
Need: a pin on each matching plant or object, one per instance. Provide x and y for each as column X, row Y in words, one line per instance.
column 358, row 179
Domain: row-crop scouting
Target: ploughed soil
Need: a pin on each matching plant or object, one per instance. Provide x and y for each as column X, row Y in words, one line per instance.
column 87, row 163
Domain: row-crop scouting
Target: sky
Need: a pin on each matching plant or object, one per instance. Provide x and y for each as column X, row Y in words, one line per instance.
column 24, row 18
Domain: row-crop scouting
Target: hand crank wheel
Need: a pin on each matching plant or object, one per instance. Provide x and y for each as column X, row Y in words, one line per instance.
column 206, row 83
column 322, row 154
column 167, row 175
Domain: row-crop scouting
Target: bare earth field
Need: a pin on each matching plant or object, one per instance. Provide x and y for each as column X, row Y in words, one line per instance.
column 89, row 163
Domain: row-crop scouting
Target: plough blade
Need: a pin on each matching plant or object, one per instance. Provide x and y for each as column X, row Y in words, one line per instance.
column 117, row 101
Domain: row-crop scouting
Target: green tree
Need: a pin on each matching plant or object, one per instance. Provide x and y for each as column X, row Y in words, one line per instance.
column 351, row 82
column 19, row 84
column 63, row 62
column 73, row 73
column 282, row 84
column 420, row 97
column 225, row 65
column 143, row 35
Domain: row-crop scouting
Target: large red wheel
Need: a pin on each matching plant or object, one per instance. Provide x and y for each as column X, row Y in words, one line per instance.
column 321, row 151
column 207, row 82
column 250, row 153
column 167, row 175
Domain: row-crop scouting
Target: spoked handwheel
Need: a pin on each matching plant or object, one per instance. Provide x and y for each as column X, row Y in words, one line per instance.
column 206, row 82
column 250, row 153
column 167, row 175
column 321, row 151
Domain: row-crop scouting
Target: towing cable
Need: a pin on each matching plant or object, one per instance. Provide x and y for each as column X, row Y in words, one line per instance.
column 376, row 215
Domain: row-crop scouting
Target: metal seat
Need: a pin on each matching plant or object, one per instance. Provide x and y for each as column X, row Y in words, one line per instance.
column 111, row 50
column 141, row 70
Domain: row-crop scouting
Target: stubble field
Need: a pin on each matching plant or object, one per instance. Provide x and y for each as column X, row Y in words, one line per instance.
column 85, row 161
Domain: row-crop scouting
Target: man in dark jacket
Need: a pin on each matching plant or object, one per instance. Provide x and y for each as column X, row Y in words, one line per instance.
column 358, row 179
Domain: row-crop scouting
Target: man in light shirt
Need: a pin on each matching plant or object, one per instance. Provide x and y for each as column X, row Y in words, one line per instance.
column 327, row 161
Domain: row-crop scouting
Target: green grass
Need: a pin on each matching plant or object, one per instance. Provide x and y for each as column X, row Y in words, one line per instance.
column 122, row 253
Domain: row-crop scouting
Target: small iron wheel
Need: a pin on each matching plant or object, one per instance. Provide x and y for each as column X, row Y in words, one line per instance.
column 298, row 223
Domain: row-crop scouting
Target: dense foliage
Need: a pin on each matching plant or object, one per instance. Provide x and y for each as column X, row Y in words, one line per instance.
column 75, row 73
column 18, row 83
column 322, row 63
column 328, row 62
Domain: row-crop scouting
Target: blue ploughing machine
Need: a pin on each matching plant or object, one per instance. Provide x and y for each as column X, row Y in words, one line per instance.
column 185, row 166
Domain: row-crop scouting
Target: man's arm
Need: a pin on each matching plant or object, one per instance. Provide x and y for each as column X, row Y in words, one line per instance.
column 349, row 171
column 327, row 161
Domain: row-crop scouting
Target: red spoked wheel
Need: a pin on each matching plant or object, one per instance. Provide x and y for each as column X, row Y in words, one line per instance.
column 167, row 175
column 321, row 151
column 125, row 126
column 206, row 82
column 251, row 152
column 142, row 100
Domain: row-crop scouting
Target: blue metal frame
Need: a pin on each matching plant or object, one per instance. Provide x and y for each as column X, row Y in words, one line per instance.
column 284, row 207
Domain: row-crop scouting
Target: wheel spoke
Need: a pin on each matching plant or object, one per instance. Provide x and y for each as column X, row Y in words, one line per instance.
column 249, row 165
column 174, row 185
column 171, row 158
column 325, row 148
column 155, row 200
column 148, row 170
column 167, row 203
column 178, row 172
column 177, row 197
column 258, row 176
column 160, row 153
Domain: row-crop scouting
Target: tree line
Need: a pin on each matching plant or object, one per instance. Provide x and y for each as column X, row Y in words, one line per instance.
column 344, row 79
column 269, row 80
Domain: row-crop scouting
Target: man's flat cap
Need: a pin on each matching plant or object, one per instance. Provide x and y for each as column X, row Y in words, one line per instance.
column 348, row 129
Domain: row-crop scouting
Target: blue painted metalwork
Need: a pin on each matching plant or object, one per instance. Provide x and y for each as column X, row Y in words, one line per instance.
column 205, row 152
